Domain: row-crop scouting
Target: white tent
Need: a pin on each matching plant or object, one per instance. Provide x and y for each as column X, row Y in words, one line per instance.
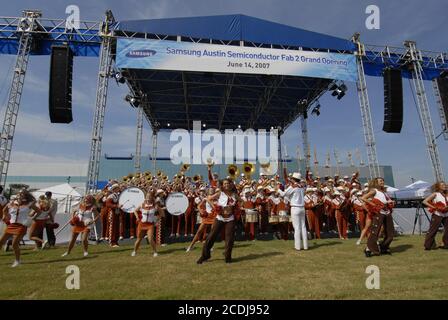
column 66, row 196
column 416, row 190
column 68, row 200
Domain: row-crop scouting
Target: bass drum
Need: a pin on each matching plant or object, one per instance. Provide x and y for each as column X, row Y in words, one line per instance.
column 176, row 203
column 131, row 198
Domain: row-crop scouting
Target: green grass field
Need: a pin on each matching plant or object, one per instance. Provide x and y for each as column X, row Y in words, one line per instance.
column 331, row 269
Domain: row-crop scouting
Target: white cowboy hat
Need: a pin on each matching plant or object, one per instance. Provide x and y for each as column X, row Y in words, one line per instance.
column 309, row 190
column 337, row 193
column 353, row 191
column 340, row 188
column 114, row 186
column 159, row 191
column 326, row 189
column 359, row 193
column 296, row 175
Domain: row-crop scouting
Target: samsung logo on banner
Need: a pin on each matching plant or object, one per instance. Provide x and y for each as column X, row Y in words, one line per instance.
column 140, row 53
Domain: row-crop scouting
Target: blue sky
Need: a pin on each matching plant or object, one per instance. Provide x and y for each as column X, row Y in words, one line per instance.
column 338, row 126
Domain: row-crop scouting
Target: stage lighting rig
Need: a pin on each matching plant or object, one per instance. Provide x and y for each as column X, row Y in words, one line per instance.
column 316, row 110
column 134, row 101
column 119, row 77
column 338, row 91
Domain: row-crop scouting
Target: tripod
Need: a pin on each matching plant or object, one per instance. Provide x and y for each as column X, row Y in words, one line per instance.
column 418, row 214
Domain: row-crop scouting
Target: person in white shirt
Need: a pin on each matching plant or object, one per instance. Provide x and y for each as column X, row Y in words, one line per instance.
column 438, row 206
column 295, row 195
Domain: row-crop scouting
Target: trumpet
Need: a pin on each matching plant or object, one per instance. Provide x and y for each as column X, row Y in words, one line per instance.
column 233, row 171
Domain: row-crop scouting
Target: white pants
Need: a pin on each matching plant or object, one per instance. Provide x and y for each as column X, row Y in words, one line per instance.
column 298, row 222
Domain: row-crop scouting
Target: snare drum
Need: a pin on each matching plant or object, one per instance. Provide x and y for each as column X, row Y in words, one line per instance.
column 283, row 216
column 274, row 219
column 251, row 215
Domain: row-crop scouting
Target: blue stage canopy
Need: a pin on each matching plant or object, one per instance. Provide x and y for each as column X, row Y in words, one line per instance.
column 237, row 28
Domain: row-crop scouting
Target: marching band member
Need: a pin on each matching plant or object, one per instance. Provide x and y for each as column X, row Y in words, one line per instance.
column 189, row 214
column 261, row 204
column 249, row 203
column 227, row 203
column 161, row 221
column 295, row 195
column 17, row 216
column 438, row 206
column 309, row 205
column 113, row 212
column 358, row 209
column 101, row 199
column 317, row 211
column 82, row 221
column 339, row 203
column 381, row 207
column 146, row 215
column 208, row 215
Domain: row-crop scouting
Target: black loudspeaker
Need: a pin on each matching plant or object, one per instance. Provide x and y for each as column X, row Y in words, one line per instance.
column 442, row 83
column 393, row 101
column 60, row 99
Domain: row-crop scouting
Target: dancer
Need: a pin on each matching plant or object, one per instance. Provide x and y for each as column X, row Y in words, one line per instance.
column 82, row 221
column 227, row 202
column 438, row 206
column 17, row 216
column 146, row 215
column 40, row 220
column 208, row 215
column 380, row 205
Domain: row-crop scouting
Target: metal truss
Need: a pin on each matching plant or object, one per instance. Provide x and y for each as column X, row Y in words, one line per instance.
column 53, row 29
column 305, row 142
column 366, row 117
column 24, row 30
column 104, row 74
column 414, row 58
column 154, row 151
column 443, row 119
column 398, row 57
column 138, row 146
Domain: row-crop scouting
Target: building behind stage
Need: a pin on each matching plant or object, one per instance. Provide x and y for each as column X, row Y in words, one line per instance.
column 42, row 175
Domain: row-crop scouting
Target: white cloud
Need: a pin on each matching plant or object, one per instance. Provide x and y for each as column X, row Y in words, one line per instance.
column 24, row 156
column 40, row 129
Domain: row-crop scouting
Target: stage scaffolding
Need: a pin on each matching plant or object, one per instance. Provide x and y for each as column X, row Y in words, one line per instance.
column 19, row 35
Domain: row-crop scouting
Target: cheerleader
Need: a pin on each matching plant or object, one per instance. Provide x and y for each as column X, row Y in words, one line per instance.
column 17, row 216
column 380, row 207
column 208, row 214
column 438, row 206
column 362, row 216
column 40, row 220
column 146, row 215
column 227, row 202
column 82, row 221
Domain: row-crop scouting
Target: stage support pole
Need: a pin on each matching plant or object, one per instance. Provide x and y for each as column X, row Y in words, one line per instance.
column 15, row 92
column 414, row 58
column 100, row 104
column 281, row 166
column 443, row 119
column 364, row 104
column 154, row 150
column 138, row 146
column 305, row 143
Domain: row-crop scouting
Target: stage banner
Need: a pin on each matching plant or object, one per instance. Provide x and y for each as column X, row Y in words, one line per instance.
column 188, row 56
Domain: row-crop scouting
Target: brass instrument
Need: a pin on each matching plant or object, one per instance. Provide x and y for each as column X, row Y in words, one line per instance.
column 248, row 169
column 266, row 168
column 197, row 178
column 210, row 162
column 233, row 171
column 159, row 174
